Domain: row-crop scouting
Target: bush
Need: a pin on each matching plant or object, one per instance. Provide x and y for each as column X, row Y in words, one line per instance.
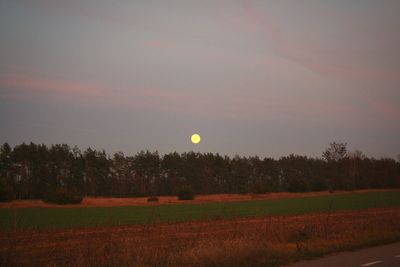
column 185, row 193
column 63, row 196
column 152, row 199
column 258, row 188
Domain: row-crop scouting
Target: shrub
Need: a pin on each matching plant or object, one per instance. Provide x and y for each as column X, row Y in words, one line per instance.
column 185, row 193
column 152, row 199
column 258, row 188
column 63, row 196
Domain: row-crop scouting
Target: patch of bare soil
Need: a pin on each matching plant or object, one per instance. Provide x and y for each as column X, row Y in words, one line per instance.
column 142, row 201
column 263, row 241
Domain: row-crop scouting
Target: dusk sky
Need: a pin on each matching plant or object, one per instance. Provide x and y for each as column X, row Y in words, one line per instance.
column 265, row 78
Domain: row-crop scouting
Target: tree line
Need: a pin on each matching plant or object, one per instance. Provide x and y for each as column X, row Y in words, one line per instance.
column 30, row 171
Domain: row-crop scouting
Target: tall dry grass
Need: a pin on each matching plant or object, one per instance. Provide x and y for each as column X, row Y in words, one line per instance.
column 266, row 241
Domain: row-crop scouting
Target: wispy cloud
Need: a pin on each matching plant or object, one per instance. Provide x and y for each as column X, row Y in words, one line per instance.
column 386, row 109
column 309, row 54
column 35, row 83
column 235, row 106
column 162, row 100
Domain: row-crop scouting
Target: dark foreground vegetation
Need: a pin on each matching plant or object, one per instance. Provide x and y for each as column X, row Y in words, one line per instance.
column 35, row 171
column 263, row 241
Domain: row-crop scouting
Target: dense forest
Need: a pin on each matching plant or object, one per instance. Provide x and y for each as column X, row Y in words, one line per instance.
column 30, row 171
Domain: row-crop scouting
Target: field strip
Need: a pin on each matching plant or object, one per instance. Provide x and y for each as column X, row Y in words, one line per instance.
column 50, row 218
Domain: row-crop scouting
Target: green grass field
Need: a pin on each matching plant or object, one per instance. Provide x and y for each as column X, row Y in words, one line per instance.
column 49, row 218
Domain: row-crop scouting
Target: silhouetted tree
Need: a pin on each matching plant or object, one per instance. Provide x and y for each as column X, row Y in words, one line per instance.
column 334, row 155
column 6, row 174
column 32, row 171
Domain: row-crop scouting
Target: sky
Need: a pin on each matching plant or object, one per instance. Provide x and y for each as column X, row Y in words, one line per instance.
column 266, row 78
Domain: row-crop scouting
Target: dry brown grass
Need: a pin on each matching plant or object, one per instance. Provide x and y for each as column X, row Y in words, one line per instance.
column 142, row 201
column 264, row 241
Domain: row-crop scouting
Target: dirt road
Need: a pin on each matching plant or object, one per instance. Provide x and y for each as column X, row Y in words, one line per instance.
column 382, row 256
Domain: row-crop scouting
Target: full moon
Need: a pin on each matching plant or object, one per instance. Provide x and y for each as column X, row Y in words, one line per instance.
column 195, row 138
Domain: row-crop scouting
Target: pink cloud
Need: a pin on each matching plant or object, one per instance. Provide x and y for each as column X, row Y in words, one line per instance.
column 306, row 53
column 35, row 83
column 24, row 86
column 196, row 103
column 386, row 109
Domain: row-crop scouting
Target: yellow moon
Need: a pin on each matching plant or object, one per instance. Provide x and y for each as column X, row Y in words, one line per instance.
column 195, row 138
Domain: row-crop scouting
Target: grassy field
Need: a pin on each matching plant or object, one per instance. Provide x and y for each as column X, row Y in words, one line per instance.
column 53, row 218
